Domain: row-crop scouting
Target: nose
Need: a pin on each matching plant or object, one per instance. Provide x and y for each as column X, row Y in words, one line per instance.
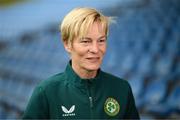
column 94, row 48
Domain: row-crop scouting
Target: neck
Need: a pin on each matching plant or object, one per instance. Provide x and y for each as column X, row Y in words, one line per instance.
column 83, row 73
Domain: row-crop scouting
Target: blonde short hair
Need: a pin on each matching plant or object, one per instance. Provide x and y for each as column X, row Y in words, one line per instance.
column 76, row 23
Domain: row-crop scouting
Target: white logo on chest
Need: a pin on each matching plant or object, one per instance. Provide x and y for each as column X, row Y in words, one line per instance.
column 68, row 112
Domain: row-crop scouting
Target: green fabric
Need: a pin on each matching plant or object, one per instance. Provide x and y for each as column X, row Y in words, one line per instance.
column 66, row 95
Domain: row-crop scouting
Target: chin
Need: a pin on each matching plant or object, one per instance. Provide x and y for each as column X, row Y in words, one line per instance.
column 92, row 68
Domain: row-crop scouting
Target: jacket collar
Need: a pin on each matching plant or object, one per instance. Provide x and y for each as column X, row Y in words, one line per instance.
column 74, row 78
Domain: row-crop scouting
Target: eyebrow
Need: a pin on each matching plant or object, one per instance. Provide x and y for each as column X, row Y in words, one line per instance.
column 91, row 39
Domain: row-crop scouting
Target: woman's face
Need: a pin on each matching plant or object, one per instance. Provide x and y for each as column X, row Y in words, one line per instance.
column 87, row 53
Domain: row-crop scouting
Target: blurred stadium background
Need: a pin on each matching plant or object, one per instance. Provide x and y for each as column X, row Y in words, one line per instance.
column 143, row 48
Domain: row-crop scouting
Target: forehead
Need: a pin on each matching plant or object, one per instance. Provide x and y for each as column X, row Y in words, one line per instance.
column 94, row 30
column 96, row 27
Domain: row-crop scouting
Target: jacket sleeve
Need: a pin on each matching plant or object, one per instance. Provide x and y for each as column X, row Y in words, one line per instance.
column 132, row 112
column 37, row 107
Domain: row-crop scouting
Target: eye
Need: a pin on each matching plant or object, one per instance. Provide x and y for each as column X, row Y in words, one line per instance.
column 102, row 40
column 85, row 41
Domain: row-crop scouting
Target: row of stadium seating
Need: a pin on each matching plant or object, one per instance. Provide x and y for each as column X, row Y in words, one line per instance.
column 143, row 48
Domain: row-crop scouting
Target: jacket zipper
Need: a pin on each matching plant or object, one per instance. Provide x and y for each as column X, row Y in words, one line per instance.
column 91, row 102
column 90, row 99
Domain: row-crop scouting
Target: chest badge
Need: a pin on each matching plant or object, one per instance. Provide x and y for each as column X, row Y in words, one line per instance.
column 68, row 112
column 111, row 107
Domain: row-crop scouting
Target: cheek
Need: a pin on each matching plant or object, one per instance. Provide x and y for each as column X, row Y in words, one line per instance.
column 79, row 51
column 103, row 50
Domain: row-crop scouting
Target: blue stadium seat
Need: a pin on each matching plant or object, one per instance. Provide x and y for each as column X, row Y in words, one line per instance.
column 171, row 105
column 145, row 65
column 152, row 95
column 174, row 99
column 155, row 93
column 128, row 63
column 173, row 77
column 163, row 65
column 137, row 85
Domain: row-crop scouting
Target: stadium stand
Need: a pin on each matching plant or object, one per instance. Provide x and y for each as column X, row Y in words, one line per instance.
column 143, row 48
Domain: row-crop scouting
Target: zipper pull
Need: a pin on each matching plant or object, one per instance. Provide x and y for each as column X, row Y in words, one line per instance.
column 91, row 102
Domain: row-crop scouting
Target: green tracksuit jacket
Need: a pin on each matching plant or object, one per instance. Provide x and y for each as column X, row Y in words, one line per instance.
column 67, row 96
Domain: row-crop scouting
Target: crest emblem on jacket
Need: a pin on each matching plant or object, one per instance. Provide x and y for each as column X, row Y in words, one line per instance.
column 111, row 107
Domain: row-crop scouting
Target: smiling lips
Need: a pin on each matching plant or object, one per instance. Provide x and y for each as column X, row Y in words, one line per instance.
column 93, row 59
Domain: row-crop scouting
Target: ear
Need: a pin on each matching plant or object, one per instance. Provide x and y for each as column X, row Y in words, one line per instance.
column 67, row 46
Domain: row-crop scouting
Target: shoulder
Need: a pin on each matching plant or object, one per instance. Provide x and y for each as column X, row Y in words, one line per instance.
column 116, row 81
column 52, row 82
column 113, row 78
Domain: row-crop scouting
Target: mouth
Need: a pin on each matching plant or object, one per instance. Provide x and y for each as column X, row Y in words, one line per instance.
column 93, row 59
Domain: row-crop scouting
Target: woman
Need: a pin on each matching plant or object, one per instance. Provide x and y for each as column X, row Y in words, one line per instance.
column 83, row 90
